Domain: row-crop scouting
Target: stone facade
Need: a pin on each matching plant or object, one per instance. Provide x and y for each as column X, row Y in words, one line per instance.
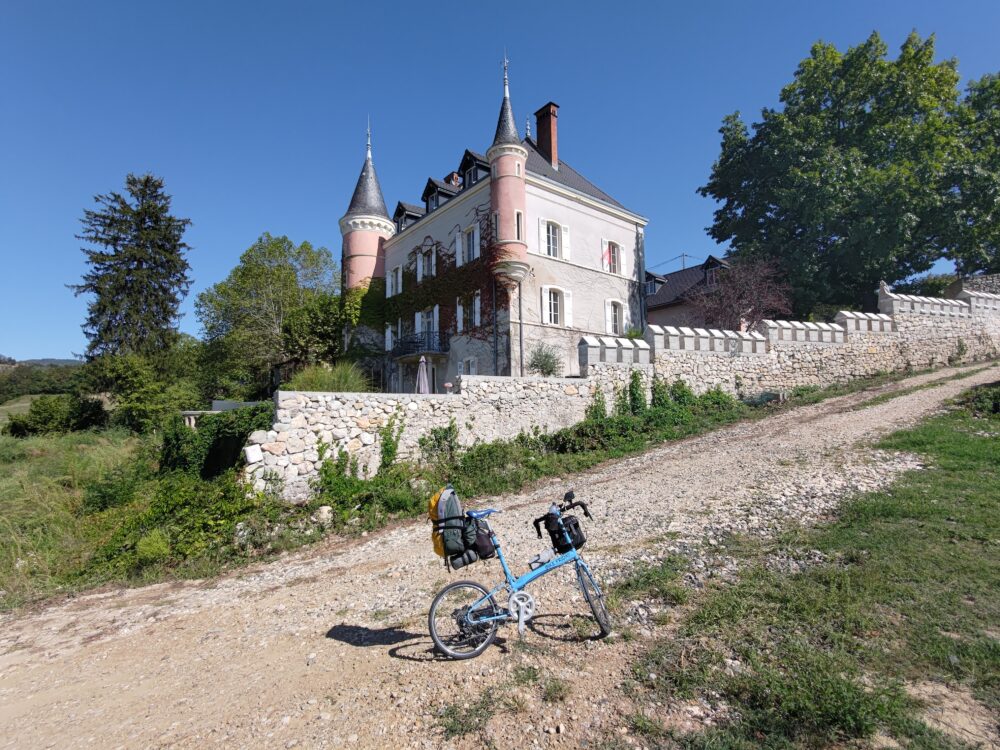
column 909, row 333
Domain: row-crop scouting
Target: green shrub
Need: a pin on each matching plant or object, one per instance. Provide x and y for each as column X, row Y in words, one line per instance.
column 196, row 519
column 343, row 377
column 59, row 413
column 389, row 441
column 439, row 446
column 984, row 400
column 152, row 548
column 118, row 487
column 636, row 393
column 544, row 360
column 217, row 443
column 621, row 407
column 681, row 393
column 716, row 401
column 598, row 407
column 660, row 393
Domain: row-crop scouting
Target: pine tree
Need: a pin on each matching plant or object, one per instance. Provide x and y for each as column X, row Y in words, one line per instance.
column 138, row 273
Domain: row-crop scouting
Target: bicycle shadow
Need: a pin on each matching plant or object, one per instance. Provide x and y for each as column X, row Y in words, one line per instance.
column 358, row 635
column 565, row 628
column 406, row 645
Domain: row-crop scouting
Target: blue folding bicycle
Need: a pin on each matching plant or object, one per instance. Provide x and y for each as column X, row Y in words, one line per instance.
column 464, row 616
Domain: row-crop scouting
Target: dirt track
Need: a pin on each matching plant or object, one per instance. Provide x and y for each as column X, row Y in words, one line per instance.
column 328, row 647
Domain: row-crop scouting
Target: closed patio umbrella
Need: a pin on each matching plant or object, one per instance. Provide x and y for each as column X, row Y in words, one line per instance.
column 423, row 386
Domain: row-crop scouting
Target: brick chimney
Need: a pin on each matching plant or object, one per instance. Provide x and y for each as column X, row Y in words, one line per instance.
column 453, row 178
column 547, row 138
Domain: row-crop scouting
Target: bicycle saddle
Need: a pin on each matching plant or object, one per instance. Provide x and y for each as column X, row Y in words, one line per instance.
column 477, row 514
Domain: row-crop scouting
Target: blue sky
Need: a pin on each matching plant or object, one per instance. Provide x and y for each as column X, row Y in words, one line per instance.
column 254, row 113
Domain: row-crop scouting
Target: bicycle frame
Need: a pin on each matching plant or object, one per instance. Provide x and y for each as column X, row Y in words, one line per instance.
column 521, row 582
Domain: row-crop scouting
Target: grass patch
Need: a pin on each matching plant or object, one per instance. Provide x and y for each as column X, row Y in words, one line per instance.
column 660, row 582
column 14, row 407
column 457, row 720
column 910, row 593
column 555, row 690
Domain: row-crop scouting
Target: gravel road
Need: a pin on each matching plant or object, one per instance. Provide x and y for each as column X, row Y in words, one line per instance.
column 328, row 647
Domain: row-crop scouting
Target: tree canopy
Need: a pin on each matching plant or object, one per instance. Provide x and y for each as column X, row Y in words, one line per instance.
column 246, row 316
column 861, row 173
column 138, row 272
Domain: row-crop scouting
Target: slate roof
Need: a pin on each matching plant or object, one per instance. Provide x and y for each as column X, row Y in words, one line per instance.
column 565, row 175
column 367, row 199
column 409, row 208
column 434, row 185
column 677, row 284
column 506, row 127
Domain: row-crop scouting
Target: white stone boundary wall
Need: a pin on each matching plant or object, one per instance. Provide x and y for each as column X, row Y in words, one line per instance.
column 484, row 408
column 779, row 357
column 982, row 303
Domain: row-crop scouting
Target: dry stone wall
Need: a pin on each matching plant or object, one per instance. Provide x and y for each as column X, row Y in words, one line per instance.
column 908, row 333
column 485, row 408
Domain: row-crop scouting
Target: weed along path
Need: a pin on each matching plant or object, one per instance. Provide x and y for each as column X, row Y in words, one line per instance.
column 328, row 647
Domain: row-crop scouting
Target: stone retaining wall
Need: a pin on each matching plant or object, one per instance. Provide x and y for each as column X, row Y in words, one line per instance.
column 484, row 408
column 919, row 333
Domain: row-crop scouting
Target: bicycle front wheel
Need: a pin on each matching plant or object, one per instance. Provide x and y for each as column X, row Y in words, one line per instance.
column 461, row 620
column 595, row 598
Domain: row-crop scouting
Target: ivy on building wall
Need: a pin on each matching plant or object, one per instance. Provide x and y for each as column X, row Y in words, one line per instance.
column 451, row 282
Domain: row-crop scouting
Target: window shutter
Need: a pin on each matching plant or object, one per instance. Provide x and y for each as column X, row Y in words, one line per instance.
column 418, row 322
column 461, row 367
column 434, row 263
column 398, row 289
column 564, row 250
column 437, row 327
column 388, row 284
column 459, row 247
column 609, row 314
column 420, row 267
column 545, row 305
column 476, row 309
column 472, row 366
column 626, row 317
column 605, row 255
column 388, row 339
column 458, row 315
column 476, row 250
column 542, row 247
column 568, row 305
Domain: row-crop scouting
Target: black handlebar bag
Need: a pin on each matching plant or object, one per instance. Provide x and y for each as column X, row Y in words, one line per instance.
column 572, row 526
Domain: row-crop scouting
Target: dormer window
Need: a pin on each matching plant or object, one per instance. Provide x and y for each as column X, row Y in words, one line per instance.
column 432, row 201
column 471, row 177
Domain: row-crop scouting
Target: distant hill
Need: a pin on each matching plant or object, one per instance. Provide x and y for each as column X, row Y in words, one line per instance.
column 52, row 362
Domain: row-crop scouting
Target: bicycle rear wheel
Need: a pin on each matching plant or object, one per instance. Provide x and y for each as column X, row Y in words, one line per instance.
column 458, row 630
column 595, row 598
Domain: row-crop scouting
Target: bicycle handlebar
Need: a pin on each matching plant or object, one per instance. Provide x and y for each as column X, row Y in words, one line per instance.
column 564, row 507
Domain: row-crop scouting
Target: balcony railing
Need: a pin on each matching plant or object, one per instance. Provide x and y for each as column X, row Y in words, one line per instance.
column 427, row 342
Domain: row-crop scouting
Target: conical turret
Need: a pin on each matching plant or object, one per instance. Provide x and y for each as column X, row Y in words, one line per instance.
column 507, row 157
column 364, row 227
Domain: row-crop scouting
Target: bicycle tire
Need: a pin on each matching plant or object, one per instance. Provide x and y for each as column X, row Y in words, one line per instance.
column 478, row 638
column 595, row 598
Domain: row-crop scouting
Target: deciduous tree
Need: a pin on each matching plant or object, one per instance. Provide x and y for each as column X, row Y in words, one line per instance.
column 749, row 291
column 847, row 183
column 244, row 316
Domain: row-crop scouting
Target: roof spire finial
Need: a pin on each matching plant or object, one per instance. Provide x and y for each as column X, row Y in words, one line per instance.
column 368, row 147
column 506, row 87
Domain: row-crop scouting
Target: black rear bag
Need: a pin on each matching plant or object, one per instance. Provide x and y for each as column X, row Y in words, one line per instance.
column 573, row 528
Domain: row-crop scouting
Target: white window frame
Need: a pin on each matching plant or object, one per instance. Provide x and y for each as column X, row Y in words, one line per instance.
column 395, row 283
column 565, row 311
column 468, row 245
column 610, row 318
column 553, row 240
column 615, row 258
column 468, row 366
column 517, row 169
column 519, row 225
